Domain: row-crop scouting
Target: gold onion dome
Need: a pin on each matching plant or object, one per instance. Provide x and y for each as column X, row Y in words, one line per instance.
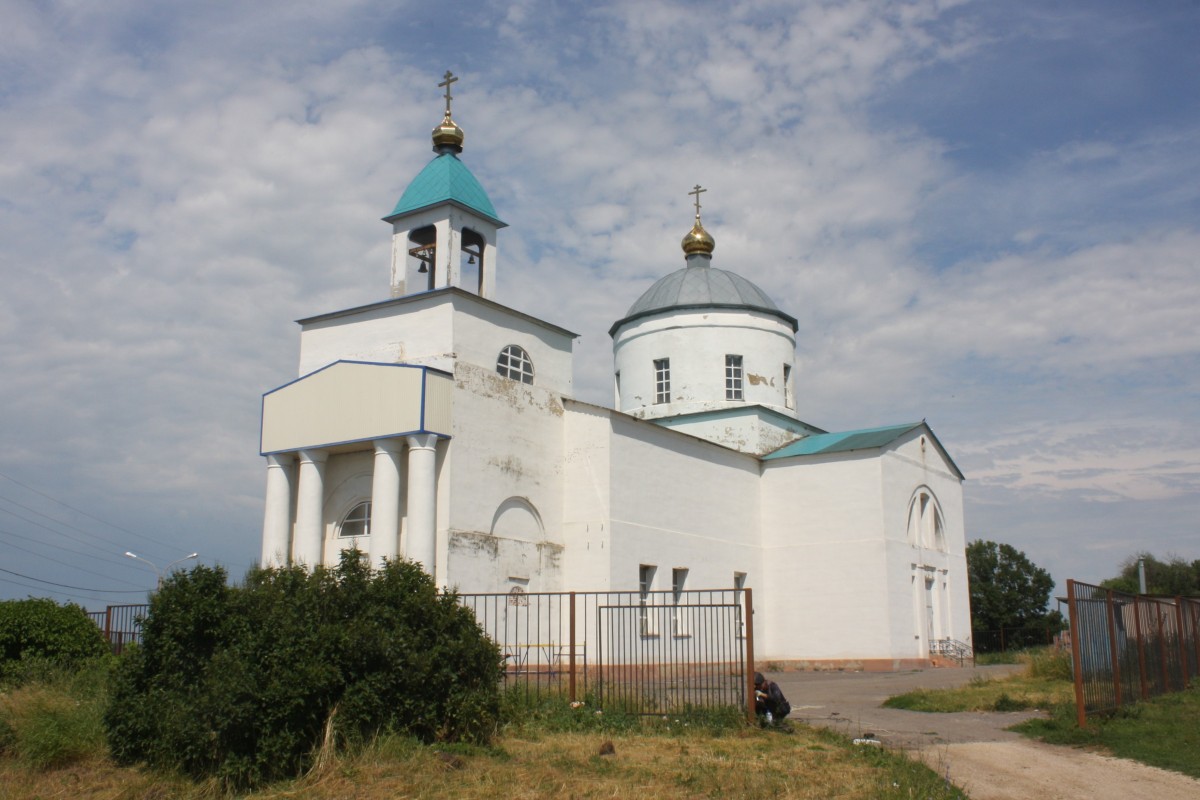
column 698, row 240
column 448, row 135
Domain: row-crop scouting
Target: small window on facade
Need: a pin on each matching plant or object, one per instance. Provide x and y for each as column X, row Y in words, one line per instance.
column 515, row 363
column 733, row 377
column 645, row 585
column 662, row 380
column 788, row 398
column 357, row 523
column 678, row 612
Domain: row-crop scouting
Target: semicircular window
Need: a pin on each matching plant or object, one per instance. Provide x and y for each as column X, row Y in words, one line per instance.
column 357, row 523
column 515, row 363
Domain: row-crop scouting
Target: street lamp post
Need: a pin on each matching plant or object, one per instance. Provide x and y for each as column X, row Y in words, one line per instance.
column 160, row 572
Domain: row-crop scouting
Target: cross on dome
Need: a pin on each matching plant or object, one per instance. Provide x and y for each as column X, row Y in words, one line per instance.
column 448, row 137
column 696, row 191
column 448, row 79
column 698, row 242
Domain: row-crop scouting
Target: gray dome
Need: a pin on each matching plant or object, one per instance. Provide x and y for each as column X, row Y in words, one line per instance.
column 702, row 286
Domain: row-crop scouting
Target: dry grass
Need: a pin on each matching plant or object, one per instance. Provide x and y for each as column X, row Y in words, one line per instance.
column 805, row 764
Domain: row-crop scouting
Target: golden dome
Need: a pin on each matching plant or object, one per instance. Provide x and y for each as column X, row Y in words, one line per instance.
column 698, row 240
column 448, row 135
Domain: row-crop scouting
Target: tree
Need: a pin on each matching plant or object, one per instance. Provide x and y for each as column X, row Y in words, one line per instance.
column 248, row 683
column 1009, row 595
column 1172, row 578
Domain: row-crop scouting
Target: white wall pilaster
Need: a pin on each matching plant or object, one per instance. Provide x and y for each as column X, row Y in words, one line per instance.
column 277, row 518
column 385, row 502
column 421, row 544
column 309, row 546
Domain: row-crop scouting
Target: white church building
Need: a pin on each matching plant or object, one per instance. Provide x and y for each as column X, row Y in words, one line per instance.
column 440, row 426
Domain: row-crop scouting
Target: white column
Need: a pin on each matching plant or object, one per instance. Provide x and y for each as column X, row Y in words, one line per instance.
column 310, row 509
column 385, row 502
column 277, row 518
column 421, row 545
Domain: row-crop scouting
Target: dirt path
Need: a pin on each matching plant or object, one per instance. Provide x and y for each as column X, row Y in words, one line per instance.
column 972, row 748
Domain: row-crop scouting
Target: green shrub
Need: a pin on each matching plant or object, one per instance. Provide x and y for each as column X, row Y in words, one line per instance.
column 241, row 683
column 38, row 634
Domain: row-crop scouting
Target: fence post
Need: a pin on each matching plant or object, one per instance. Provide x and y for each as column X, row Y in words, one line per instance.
column 108, row 628
column 1183, row 655
column 1114, row 660
column 1141, row 640
column 1073, row 614
column 749, row 655
column 1195, row 606
column 571, row 655
column 1162, row 649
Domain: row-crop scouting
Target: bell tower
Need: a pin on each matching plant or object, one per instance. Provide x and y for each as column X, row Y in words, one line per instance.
column 444, row 226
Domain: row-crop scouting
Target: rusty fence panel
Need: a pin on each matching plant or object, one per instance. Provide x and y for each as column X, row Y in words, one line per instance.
column 121, row 624
column 1127, row 648
column 657, row 652
column 648, row 653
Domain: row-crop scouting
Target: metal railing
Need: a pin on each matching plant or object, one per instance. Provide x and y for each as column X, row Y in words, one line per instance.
column 952, row 648
column 121, row 624
column 1127, row 647
column 646, row 653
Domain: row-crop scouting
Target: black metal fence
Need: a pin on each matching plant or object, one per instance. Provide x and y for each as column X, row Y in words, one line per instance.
column 1127, row 647
column 647, row 653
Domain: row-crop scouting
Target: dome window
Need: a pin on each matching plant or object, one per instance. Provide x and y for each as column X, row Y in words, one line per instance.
column 515, row 363
column 733, row 377
column 662, row 380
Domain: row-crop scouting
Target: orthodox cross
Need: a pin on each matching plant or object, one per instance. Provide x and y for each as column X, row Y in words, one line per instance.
column 449, row 79
column 696, row 191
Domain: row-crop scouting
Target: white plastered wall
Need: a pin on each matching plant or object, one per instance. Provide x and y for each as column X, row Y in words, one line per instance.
column 696, row 342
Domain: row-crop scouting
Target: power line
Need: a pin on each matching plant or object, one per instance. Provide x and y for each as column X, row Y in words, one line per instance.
column 84, row 513
column 78, row 588
column 105, row 555
column 48, row 558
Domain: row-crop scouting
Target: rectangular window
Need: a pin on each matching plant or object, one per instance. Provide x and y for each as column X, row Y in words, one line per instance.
column 788, row 400
column 645, row 586
column 662, row 380
column 733, row 377
column 678, row 614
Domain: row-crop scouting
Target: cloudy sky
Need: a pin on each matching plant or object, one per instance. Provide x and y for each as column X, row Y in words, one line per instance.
column 983, row 214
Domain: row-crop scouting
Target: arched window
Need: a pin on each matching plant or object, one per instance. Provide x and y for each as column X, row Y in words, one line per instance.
column 926, row 526
column 357, row 523
column 515, row 363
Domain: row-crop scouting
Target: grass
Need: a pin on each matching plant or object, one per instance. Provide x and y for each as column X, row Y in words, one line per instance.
column 56, row 721
column 1045, row 684
column 547, row 750
column 1162, row 732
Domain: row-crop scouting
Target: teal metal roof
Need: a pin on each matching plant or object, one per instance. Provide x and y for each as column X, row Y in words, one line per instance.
column 844, row 441
column 445, row 179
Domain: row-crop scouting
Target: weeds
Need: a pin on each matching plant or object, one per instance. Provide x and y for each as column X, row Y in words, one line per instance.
column 56, row 722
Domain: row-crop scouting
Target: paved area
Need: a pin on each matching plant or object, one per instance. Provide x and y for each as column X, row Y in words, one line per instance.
column 849, row 702
column 972, row 749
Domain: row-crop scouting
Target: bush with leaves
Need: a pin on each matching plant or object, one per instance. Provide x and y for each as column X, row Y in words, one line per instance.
column 248, row 683
column 39, row 634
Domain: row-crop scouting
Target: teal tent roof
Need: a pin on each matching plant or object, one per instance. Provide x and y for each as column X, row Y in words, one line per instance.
column 865, row 439
column 445, row 179
column 844, row 441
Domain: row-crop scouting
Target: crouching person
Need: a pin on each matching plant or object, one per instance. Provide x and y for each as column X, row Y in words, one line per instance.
column 769, row 702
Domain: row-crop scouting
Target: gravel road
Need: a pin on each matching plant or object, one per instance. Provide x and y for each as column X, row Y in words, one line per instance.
column 972, row 748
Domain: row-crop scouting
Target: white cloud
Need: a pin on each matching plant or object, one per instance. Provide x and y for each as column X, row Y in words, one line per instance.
column 180, row 185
